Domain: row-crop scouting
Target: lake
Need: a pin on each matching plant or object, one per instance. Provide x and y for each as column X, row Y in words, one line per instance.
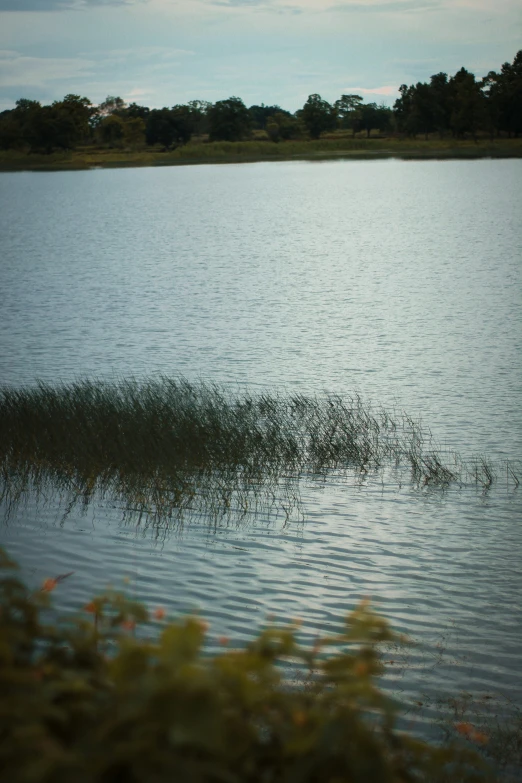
column 397, row 280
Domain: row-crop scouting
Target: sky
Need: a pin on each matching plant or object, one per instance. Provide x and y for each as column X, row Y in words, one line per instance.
column 164, row 52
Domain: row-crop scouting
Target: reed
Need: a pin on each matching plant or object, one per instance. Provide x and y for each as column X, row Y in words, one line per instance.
column 167, row 446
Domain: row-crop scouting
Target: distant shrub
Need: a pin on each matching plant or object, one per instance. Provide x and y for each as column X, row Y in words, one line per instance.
column 83, row 700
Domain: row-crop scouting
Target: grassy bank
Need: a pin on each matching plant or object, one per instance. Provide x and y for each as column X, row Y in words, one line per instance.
column 168, row 446
column 249, row 151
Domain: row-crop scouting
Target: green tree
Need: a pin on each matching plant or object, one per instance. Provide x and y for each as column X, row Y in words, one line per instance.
column 318, row 116
column 199, row 111
column 374, row 117
column 79, row 111
column 503, row 94
column 424, row 108
column 229, row 120
column 17, row 125
column 184, row 121
column 283, row 126
column 46, row 128
column 160, row 128
column 133, row 132
column 468, row 107
column 440, row 103
column 402, row 108
column 261, row 114
column 348, row 109
column 170, row 127
column 9, row 130
column 421, row 119
column 134, row 110
column 111, row 105
column 111, row 130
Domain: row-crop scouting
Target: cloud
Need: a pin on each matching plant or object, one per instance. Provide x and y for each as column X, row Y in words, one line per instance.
column 58, row 5
column 143, row 53
column 272, row 6
column 28, row 72
column 241, row 3
column 386, row 90
column 394, row 6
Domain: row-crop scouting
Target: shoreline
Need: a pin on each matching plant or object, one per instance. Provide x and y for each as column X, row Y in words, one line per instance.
column 251, row 152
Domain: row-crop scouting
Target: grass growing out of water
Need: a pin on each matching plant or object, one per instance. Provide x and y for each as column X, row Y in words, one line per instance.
column 167, row 446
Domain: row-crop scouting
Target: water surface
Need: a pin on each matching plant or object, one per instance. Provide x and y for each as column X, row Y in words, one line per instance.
column 397, row 279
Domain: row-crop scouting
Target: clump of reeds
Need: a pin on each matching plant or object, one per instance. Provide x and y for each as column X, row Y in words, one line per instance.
column 167, row 445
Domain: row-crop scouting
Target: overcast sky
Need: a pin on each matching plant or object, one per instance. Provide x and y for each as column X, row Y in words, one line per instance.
column 163, row 52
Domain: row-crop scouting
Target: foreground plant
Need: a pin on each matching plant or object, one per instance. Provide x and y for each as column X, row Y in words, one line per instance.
column 90, row 699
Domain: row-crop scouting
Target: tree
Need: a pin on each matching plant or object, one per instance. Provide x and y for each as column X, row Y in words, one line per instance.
column 468, row 108
column 9, row 129
column 45, row 128
column 111, row 105
column 110, row 130
column 134, row 110
column 421, row 119
column 503, row 94
column 261, row 114
column 199, row 111
column 402, row 108
column 348, row 109
column 229, row 120
column 424, row 108
column 17, row 125
column 369, row 117
column 171, row 126
column 440, row 103
column 283, row 125
column 79, row 111
column 133, row 132
column 184, row 120
column 318, row 116
column 159, row 128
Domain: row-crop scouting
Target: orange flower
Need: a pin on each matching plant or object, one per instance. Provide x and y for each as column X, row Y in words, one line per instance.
column 90, row 607
column 464, row 728
column 49, row 585
column 128, row 625
column 159, row 613
column 479, row 737
column 224, row 640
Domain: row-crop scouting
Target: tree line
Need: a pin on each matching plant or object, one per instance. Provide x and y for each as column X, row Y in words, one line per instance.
column 459, row 105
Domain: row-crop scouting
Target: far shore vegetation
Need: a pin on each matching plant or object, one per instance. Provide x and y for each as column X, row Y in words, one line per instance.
column 459, row 116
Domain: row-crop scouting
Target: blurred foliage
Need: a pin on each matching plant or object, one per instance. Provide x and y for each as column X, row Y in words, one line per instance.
column 89, row 698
